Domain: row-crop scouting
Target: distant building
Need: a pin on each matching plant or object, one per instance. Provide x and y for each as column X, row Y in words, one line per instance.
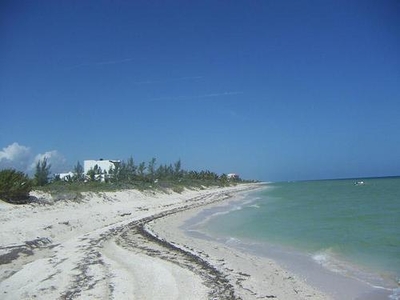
column 101, row 166
column 65, row 176
column 233, row 176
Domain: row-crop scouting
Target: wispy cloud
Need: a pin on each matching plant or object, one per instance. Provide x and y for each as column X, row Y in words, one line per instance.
column 167, row 80
column 198, row 97
column 100, row 63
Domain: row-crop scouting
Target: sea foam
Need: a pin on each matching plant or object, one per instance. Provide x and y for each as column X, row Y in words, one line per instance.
column 329, row 260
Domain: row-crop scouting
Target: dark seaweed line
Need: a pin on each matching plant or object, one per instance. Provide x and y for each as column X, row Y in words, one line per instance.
column 219, row 285
column 215, row 279
column 82, row 281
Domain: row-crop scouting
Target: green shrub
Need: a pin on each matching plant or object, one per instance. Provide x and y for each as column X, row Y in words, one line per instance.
column 14, row 186
column 178, row 189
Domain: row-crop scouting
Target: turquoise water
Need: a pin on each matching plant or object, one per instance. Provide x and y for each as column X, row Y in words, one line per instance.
column 342, row 226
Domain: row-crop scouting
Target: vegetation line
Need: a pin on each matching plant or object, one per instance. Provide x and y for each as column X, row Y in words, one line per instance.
column 15, row 186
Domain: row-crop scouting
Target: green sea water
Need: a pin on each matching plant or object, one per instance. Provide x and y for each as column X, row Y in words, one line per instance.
column 347, row 227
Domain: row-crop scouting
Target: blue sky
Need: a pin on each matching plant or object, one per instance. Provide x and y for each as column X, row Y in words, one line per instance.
column 272, row 90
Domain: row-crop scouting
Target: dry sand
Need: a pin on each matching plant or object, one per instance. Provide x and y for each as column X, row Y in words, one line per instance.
column 128, row 245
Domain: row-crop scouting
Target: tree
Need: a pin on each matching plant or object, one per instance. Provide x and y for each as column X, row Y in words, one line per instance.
column 164, row 172
column 178, row 169
column 152, row 169
column 141, row 169
column 130, row 169
column 116, row 173
column 79, row 172
column 95, row 173
column 42, row 173
column 125, row 171
column 223, row 179
column 14, row 186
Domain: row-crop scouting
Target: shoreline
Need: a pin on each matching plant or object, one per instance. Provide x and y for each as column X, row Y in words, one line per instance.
column 128, row 245
column 302, row 267
column 251, row 276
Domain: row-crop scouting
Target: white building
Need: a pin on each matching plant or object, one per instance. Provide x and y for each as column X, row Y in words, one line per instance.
column 65, row 176
column 103, row 165
column 233, row 176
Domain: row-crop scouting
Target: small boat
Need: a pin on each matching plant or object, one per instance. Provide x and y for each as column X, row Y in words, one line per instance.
column 359, row 183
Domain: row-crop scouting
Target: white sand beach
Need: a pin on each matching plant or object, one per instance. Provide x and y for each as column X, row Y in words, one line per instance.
column 128, row 245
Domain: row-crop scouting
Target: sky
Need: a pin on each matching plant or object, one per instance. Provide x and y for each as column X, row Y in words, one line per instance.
column 271, row 90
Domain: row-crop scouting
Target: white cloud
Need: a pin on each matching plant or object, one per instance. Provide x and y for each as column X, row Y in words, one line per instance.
column 21, row 158
column 15, row 156
column 54, row 158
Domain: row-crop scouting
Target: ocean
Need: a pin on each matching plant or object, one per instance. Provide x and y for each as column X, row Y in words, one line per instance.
column 342, row 231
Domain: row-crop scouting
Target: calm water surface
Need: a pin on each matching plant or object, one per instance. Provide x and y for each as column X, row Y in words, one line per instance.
column 347, row 228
